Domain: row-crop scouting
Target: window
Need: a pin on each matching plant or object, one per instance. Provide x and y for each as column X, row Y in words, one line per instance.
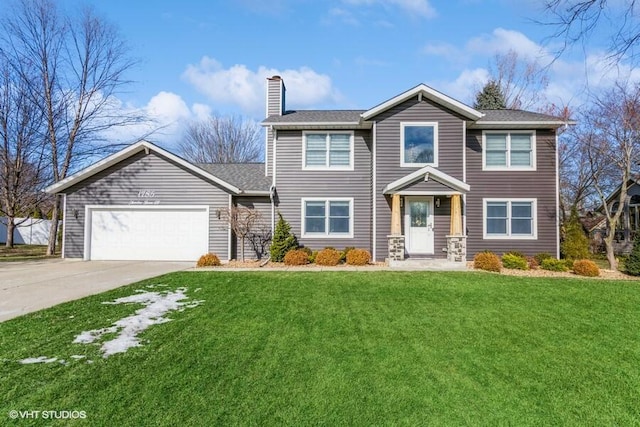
column 418, row 144
column 327, row 218
column 328, row 150
column 510, row 219
column 508, row 150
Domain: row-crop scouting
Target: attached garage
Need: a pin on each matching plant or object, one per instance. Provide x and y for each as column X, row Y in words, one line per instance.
column 144, row 203
column 159, row 233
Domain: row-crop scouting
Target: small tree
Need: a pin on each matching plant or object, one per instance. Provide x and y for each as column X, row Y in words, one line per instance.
column 490, row 97
column 243, row 221
column 576, row 243
column 283, row 240
column 632, row 266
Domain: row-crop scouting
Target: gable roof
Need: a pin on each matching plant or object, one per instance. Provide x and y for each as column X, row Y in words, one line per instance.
column 514, row 119
column 128, row 152
column 423, row 90
column 249, row 177
column 427, row 172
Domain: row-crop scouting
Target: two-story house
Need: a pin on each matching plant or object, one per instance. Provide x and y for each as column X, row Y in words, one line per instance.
column 420, row 175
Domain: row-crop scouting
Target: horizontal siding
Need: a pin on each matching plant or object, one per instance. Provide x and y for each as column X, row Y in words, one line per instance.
column 450, row 151
column 293, row 183
column 539, row 184
column 120, row 184
column 262, row 205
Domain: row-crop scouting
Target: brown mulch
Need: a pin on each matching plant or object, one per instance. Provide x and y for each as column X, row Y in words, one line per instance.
column 604, row 274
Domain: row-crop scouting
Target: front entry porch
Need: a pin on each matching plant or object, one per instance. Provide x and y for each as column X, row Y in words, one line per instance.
column 427, row 226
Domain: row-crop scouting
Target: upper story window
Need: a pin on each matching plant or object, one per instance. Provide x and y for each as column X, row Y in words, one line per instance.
column 328, row 150
column 418, row 144
column 509, row 150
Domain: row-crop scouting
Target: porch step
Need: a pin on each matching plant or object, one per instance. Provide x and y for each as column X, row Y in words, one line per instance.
column 428, row 265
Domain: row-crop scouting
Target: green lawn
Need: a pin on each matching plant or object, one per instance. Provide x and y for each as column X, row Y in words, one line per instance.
column 342, row 348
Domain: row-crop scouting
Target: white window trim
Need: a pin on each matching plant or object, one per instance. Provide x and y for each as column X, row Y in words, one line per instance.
column 326, row 234
column 509, row 236
column 435, row 144
column 507, row 167
column 326, row 160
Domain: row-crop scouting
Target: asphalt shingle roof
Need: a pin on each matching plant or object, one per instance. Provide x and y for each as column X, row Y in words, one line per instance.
column 515, row 116
column 353, row 116
column 317, row 116
column 246, row 176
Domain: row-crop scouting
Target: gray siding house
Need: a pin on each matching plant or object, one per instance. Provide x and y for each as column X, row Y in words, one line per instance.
column 418, row 176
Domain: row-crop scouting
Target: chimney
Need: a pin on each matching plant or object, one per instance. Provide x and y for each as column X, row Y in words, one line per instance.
column 275, row 96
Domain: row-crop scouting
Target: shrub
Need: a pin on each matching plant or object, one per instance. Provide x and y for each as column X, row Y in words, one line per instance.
column 533, row 264
column 358, row 257
column 632, row 263
column 576, row 243
column 296, row 257
column 343, row 254
column 208, row 260
column 328, row 257
column 487, row 260
column 312, row 257
column 307, row 251
column 283, row 240
column 586, row 267
column 552, row 264
column 541, row 257
column 515, row 261
column 516, row 253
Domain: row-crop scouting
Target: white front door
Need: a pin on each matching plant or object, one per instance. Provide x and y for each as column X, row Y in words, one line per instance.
column 418, row 212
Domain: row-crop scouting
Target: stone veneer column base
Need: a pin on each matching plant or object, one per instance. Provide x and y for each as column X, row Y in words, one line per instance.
column 457, row 248
column 396, row 248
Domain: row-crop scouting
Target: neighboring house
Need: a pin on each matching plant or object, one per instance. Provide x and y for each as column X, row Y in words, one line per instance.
column 629, row 223
column 420, row 175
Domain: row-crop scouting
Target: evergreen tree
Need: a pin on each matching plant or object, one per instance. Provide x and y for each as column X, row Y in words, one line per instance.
column 490, row 97
column 576, row 243
column 632, row 265
column 283, row 240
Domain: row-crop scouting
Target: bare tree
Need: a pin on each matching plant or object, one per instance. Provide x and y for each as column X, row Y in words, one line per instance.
column 575, row 21
column 243, row 221
column 222, row 140
column 79, row 62
column 612, row 143
column 521, row 80
column 23, row 165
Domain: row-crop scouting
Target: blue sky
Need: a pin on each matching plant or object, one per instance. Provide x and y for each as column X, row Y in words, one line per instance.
column 198, row 56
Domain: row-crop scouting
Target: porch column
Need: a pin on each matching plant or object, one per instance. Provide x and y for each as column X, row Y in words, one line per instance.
column 396, row 228
column 456, row 240
column 395, row 240
column 455, row 228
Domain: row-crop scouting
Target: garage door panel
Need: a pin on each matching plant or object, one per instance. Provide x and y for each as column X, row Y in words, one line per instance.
column 167, row 234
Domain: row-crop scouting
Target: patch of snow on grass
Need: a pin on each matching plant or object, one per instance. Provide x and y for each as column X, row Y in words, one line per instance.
column 156, row 305
column 41, row 359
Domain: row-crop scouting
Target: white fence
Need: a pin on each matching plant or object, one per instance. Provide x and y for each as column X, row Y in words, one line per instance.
column 30, row 232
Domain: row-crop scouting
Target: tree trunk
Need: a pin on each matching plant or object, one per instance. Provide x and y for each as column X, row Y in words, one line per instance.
column 53, row 230
column 611, row 256
column 242, row 248
column 11, row 226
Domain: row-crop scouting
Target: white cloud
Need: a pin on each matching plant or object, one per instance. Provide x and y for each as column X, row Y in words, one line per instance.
column 465, row 85
column 501, row 41
column 245, row 88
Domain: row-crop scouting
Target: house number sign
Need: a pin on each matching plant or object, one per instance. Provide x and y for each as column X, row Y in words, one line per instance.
column 146, row 194
column 144, row 198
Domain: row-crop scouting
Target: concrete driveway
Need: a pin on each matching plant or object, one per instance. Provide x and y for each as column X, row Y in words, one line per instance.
column 33, row 285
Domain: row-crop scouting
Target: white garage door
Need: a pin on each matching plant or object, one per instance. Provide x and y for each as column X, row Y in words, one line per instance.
column 161, row 233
